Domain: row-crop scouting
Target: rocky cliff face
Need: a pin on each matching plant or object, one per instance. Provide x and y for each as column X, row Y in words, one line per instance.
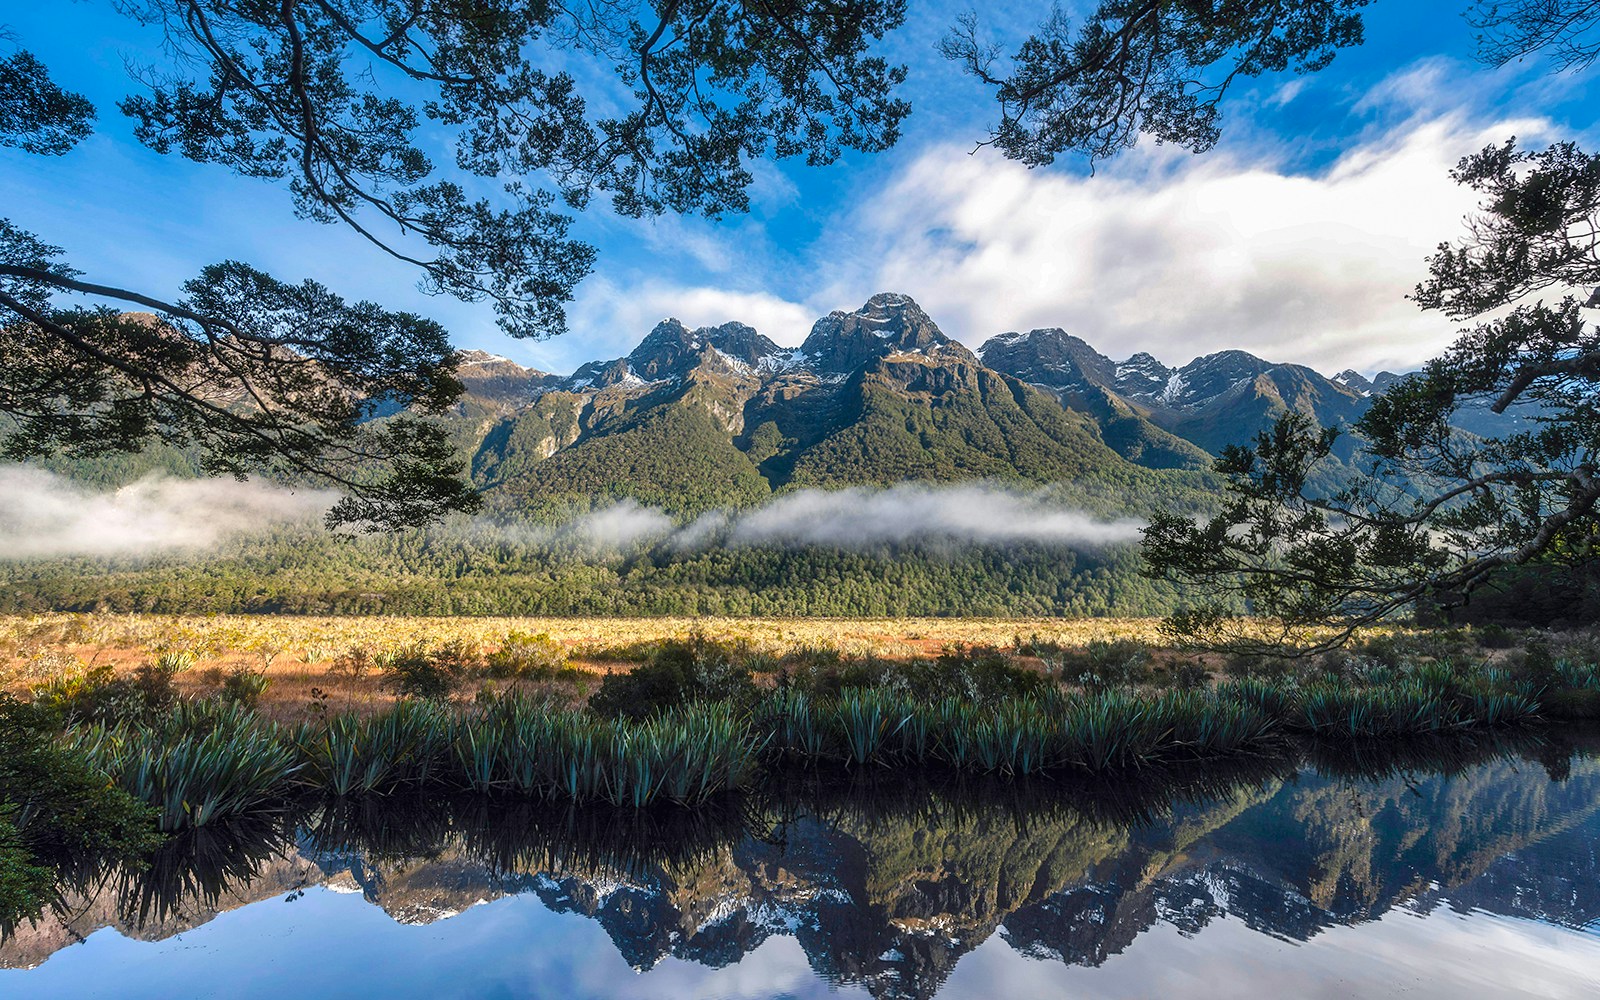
column 693, row 419
column 1211, row 402
column 888, row 324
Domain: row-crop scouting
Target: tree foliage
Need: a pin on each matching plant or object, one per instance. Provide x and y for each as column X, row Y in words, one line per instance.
column 1143, row 67
column 1511, row 30
column 1094, row 85
column 339, row 99
column 36, row 115
column 1436, row 512
column 257, row 374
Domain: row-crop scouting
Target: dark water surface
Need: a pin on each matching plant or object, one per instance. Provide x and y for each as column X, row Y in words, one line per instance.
column 1447, row 870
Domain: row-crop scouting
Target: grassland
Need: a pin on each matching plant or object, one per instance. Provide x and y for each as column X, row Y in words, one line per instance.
column 167, row 724
column 302, row 654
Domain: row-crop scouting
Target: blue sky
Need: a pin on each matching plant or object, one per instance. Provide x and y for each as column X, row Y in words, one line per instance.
column 1296, row 238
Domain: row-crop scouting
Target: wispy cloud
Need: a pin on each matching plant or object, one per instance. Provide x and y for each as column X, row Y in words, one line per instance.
column 1182, row 257
column 44, row 515
column 959, row 515
column 975, row 514
column 616, row 318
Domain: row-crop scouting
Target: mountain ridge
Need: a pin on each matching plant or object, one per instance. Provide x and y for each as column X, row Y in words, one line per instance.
column 695, row 418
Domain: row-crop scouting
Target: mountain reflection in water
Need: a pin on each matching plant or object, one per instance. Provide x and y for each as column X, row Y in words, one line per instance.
column 1432, row 869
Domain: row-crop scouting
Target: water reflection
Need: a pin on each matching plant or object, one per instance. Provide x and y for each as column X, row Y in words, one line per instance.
column 880, row 885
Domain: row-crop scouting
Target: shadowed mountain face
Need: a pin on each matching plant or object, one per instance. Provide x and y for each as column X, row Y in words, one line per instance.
column 693, row 419
column 1211, row 402
column 889, row 890
column 887, row 325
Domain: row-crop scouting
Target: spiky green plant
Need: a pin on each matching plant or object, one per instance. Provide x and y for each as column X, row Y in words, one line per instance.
column 350, row 755
column 175, row 661
column 197, row 767
column 869, row 721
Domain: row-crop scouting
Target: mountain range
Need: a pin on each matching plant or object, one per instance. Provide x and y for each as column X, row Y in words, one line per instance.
column 693, row 419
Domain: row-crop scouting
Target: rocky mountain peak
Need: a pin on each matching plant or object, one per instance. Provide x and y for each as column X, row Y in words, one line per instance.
column 888, row 323
column 1354, row 381
column 476, row 357
column 1050, row 357
column 1210, row 376
column 671, row 348
column 499, row 380
column 1142, row 375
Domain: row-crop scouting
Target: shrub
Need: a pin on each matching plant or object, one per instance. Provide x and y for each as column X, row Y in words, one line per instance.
column 811, row 657
column 976, row 673
column 685, row 754
column 99, row 695
column 1036, row 645
column 57, row 812
column 350, row 755
column 828, row 676
column 1243, row 665
column 1389, row 650
column 528, row 656
column 244, row 687
column 1105, row 664
column 639, row 651
column 203, row 763
column 1190, row 675
column 681, row 672
column 25, row 886
column 354, row 663
column 971, row 672
column 1579, row 703
column 175, row 661
column 416, row 672
column 1495, row 636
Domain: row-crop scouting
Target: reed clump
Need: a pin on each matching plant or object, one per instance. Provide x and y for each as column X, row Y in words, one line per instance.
column 1014, row 734
column 707, row 717
column 204, row 762
column 686, row 755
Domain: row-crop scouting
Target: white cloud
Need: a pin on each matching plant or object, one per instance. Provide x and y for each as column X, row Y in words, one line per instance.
column 1288, row 92
column 975, row 513
column 850, row 518
column 620, row 525
column 1182, row 256
column 609, row 320
column 43, row 515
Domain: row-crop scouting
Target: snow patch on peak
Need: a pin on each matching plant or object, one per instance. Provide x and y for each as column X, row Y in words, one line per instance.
column 1004, row 340
column 1175, row 388
column 1354, row 381
column 629, row 380
column 788, row 360
column 483, row 358
column 731, row 361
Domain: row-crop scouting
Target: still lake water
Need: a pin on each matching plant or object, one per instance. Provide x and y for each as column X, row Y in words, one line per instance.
column 1457, row 871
